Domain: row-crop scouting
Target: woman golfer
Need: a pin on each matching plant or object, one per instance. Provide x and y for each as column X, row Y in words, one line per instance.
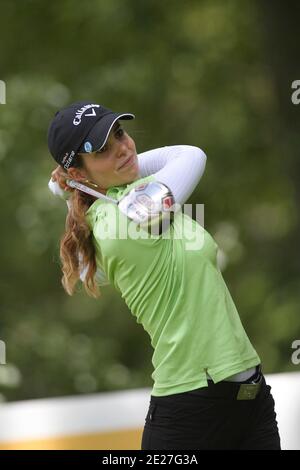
column 125, row 227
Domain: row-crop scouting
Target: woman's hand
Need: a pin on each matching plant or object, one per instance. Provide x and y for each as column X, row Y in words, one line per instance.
column 60, row 176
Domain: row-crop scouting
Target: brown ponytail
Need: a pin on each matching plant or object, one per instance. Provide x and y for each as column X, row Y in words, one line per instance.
column 77, row 242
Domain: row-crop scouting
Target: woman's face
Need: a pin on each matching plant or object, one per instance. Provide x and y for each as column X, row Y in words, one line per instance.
column 110, row 166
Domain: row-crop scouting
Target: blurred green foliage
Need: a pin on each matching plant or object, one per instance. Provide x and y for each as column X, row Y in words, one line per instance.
column 208, row 73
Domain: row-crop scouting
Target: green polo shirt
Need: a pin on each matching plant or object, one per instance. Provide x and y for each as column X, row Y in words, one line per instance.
column 173, row 286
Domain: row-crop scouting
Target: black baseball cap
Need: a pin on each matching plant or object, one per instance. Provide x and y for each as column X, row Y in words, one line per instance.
column 80, row 128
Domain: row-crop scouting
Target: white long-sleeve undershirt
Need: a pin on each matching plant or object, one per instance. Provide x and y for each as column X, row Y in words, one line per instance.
column 179, row 167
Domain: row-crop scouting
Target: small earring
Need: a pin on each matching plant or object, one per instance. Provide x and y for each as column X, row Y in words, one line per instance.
column 92, row 184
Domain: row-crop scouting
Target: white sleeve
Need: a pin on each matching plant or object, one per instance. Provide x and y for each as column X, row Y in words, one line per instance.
column 179, row 167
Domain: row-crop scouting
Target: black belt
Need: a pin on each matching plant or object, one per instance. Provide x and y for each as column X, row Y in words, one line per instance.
column 246, row 390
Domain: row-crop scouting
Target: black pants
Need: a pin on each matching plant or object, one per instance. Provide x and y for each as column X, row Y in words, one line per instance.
column 212, row 418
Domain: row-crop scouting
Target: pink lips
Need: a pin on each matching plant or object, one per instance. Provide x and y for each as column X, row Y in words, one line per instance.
column 129, row 160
